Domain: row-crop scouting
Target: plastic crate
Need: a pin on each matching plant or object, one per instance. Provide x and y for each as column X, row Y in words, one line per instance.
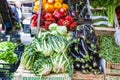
column 80, row 7
column 7, row 69
column 12, row 37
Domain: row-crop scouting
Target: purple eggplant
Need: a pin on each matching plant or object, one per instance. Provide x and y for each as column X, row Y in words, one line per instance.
column 74, row 13
column 77, row 65
column 84, row 46
column 74, row 56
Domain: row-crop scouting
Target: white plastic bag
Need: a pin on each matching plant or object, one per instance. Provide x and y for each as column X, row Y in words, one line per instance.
column 117, row 32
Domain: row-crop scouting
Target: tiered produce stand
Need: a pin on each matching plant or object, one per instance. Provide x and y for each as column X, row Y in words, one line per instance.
column 73, row 40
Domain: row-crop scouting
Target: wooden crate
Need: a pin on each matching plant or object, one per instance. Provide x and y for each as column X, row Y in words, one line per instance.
column 104, row 31
column 108, row 77
column 113, row 71
column 22, row 74
column 80, row 76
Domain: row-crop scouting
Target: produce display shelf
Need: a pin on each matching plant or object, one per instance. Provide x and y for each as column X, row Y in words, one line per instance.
column 22, row 74
column 97, row 9
column 79, row 76
column 104, row 31
column 113, row 71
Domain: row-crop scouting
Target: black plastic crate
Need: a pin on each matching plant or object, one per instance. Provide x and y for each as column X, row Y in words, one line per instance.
column 12, row 37
column 26, row 28
column 7, row 69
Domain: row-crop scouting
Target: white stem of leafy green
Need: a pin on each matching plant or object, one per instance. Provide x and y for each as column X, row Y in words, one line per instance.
column 70, row 68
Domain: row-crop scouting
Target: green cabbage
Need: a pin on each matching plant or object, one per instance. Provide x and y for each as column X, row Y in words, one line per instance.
column 53, row 26
column 62, row 30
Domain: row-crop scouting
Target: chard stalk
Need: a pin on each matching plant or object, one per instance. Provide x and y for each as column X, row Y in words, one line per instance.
column 111, row 13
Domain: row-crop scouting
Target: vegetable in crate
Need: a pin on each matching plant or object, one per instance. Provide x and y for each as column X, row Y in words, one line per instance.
column 7, row 52
column 108, row 49
column 78, row 8
column 84, row 50
column 109, row 11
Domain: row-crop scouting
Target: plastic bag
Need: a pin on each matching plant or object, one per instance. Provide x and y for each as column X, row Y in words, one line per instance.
column 117, row 32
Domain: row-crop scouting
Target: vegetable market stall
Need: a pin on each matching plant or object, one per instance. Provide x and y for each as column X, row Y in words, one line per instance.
column 57, row 50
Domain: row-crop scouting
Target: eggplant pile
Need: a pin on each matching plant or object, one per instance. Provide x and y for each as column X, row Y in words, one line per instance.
column 78, row 8
column 84, row 50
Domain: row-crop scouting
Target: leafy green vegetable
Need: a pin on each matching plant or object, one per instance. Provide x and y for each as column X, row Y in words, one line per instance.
column 59, row 63
column 47, row 49
column 7, row 52
column 53, row 26
column 54, row 32
column 42, row 66
column 62, row 30
column 109, row 5
column 29, row 56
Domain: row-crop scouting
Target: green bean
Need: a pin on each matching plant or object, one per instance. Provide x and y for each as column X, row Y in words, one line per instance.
column 108, row 49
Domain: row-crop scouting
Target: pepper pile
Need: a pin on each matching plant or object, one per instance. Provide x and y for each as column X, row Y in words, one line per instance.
column 54, row 11
column 36, row 5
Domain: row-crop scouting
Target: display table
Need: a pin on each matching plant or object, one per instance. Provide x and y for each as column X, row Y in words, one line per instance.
column 22, row 74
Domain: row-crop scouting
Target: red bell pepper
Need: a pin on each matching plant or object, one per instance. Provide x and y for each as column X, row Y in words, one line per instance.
column 60, row 22
column 56, row 14
column 33, row 24
column 73, row 25
column 66, row 23
column 47, row 23
column 69, row 18
column 34, row 17
column 48, row 17
column 63, row 12
column 53, row 20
